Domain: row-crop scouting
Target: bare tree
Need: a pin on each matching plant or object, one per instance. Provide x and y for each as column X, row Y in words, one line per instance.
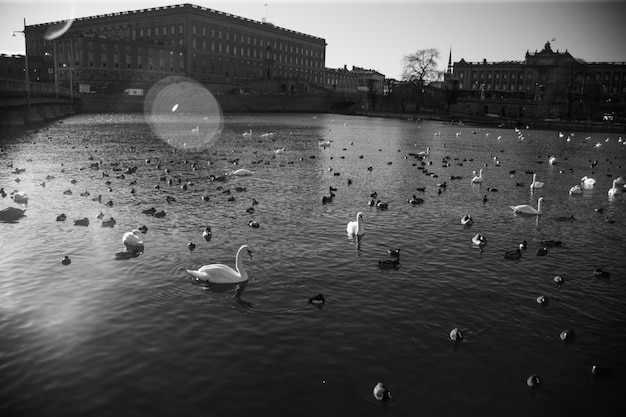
column 418, row 68
column 421, row 66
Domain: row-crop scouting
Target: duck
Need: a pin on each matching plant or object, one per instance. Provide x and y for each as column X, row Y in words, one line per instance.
column 523, row 245
column 318, row 299
column 543, row 300
column 19, row 197
column 191, row 246
column 223, row 274
column 381, row 393
column 394, row 252
column 82, row 222
column 478, row 178
column 599, row 371
column 110, row 222
column 456, row 335
column 479, row 240
column 534, row 381
column 149, row 212
column 66, row 260
column 567, row 335
column 355, row 227
column 575, row 190
column 526, row 209
column 542, row 251
column 550, row 242
column 143, row 229
column 207, row 234
column 327, row 199
column 382, row 205
column 388, row 263
column 599, row 273
column 11, row 214
column 587, row 182
column 570, row 219
column 415, row 200
column 513, row 254
column 535, row 184
column 613, row 190
column 254, row 224
column 132, row 241
column 558, row 280
column 467, row 220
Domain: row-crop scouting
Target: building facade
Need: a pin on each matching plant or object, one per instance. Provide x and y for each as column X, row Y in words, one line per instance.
column 132, row 49
column 546, row 84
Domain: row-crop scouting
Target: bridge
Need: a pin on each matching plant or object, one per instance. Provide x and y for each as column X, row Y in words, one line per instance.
column 20, row 105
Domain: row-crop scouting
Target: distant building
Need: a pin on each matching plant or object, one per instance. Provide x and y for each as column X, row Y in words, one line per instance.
column 369, row 80
column 341, row 80
column 110, row 53
column 546, row 84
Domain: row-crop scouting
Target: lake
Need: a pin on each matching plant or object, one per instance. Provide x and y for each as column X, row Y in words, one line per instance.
column 119, row 335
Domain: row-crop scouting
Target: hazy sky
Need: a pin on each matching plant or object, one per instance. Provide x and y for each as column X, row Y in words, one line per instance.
column 378, row 34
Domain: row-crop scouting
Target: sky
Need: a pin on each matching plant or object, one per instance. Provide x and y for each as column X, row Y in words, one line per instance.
column 379, row 34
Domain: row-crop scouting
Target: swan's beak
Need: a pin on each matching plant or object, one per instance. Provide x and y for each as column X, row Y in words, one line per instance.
column 250, row 253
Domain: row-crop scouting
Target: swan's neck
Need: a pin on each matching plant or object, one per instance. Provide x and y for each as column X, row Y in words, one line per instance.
column 239, row 264
column 539, row 206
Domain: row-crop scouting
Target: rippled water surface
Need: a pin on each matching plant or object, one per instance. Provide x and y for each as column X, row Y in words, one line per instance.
column 136, row 337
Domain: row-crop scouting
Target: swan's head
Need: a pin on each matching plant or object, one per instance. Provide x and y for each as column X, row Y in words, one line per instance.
column 136, row 232
column 247, row 249
column 359, row 216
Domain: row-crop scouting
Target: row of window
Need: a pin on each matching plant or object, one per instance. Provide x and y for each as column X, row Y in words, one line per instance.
column 480, row 75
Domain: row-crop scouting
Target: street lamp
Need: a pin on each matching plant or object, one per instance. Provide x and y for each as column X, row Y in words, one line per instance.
column 25, row 61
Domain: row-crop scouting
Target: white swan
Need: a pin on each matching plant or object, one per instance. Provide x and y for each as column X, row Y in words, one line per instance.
column 132, row 241
column 324, row 143
column 425, row 153
column 467, row 220
column 613, row 190
column 535, row 183
column 526, row 209
column 355, row 227
column 587, row 182
column 575, row 190
column 552, row 160
column 223, row 274
column 242, row 172
column 478, row 178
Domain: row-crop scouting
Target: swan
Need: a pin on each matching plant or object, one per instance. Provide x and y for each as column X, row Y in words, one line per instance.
column 526, row 209
column 381, row 393
column 587, row 182
column 478, row 178
column 575, row 190
column 467, row 220
column 355, row 227
column 132, row 241
column 324, row 143
column 223, row 274
column 552, row 160
column 424, row 153
column 543, row 300
column 11, row 214
column 535, row 183
column 242, row 172
column 613, row 190
column 567, row 335
column 207, row 234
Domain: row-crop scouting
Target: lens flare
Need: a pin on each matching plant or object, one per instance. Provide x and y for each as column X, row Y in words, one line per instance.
column 183, row 113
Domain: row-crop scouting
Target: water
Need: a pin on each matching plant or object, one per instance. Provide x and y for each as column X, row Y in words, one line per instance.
column 138, row 337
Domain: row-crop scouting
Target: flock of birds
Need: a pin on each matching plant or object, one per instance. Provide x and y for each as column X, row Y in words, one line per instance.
column 133, row 244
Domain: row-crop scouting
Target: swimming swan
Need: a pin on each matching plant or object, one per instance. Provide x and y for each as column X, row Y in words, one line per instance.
column 223, row 274
column 478, row 178
column 613, row 190
column 587, row 182
column 132, row 241
column 467, row 220
column 535, row 183
column 355, row 227
column 526, row 209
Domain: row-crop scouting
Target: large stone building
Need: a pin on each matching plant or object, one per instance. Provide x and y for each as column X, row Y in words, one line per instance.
column 546, row 84
column 133, row 49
